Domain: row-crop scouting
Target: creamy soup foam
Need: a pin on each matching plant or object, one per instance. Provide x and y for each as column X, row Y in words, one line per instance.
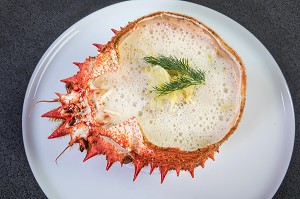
column 190, row 122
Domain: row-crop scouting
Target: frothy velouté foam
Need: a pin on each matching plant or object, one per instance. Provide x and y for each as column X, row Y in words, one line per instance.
column 190, row 119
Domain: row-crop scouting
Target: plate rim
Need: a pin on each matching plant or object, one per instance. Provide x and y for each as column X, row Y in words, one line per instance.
column 70, row 30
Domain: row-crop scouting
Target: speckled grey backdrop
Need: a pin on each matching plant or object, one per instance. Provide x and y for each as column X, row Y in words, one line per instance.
column 27, row 29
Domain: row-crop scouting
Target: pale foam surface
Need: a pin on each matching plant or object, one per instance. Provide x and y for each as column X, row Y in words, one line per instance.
column 186, row 124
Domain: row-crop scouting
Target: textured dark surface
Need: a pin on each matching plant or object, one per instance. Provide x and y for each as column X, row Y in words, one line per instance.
column 27, row 29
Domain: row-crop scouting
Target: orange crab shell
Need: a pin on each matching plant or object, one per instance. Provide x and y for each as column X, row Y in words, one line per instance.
column 85, row 120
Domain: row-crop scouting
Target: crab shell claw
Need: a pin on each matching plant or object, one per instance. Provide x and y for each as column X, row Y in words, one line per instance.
column 86, row 121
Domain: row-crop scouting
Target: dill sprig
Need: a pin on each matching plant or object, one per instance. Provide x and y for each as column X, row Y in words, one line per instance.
column 182, row 74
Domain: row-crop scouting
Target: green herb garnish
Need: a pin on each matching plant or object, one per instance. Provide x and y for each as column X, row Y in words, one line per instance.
column 182, row 74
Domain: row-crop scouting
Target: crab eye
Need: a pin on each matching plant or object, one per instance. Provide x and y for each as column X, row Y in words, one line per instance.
column 127, row 159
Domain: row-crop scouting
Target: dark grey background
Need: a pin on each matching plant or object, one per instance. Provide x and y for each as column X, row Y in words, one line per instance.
column 27, row 29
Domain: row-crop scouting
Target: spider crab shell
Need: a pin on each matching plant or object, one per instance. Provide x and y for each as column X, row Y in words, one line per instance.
column 87, row 123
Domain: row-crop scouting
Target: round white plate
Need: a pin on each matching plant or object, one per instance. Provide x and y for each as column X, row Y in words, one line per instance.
column 251, row 164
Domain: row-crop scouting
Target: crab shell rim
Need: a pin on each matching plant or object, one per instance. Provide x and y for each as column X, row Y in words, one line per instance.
column 173, row 158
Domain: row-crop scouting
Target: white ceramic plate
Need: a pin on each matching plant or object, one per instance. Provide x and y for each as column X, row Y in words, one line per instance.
column 251, row 164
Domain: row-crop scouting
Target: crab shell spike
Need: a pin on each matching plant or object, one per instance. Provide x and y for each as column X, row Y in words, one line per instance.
column 58, row 94
column 202, row 165
column 212, row 156
column 90, row 153
column 59, row 132
column 115, row 31
column 108, row 165
column 152, row 167
column 99, row 46
column 69, row 80
column 55, row 113
column 192, row 172
column 77, row 64
column 137, row 170
column 178, row 171
column 163, row 173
